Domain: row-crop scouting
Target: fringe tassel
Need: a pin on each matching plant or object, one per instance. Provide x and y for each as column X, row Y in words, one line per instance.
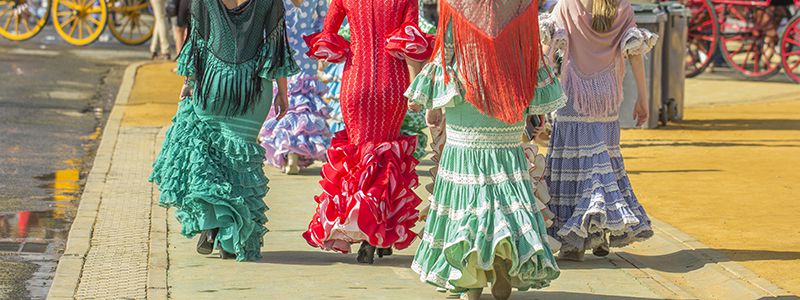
column 500, row 73
column 595, row 95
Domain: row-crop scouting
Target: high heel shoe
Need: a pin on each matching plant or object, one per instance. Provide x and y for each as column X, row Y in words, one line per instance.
column 603, row 249
column 501, row 288
column 225, row 254
column 205, row 244
column 384, row 252
column 366, row 254
column 472, row 294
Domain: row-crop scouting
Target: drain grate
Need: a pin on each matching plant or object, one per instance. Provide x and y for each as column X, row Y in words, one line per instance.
column 23, row 247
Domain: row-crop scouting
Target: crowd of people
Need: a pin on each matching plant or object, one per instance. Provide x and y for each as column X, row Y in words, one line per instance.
column 353, row 84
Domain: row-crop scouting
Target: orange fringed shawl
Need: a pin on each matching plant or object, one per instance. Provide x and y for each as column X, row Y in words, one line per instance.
column 497, row 49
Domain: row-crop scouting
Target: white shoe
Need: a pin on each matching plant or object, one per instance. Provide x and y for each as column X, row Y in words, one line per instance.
column 291, row 164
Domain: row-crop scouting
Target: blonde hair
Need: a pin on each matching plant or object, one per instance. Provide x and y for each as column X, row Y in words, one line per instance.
column 604, row 12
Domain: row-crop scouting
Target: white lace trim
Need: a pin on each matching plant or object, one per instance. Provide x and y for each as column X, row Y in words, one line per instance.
column 423, row 93
column 582, row 152
column 483, row 136
column 638, row 41
column 613, row 118
column 558, row 199
column 434, row 278
column 591, row 146
column 500, row 227
column 484, row 146
column 515, row 129
column 497, row 178
column 458, row 214
column 582, row 174
column 547, row 108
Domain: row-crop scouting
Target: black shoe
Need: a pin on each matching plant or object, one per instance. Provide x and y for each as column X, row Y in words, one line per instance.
column 366, row 254
column 603, row 249
column 384, row 252
column 205, row 244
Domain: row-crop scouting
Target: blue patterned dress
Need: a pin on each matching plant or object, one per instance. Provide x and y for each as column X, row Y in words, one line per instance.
column 304, row 130
column 591, row 195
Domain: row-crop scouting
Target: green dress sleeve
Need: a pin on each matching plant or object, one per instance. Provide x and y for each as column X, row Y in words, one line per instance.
column 276, row 53
column 549, row 94
column 429, row 88
column 194, row 43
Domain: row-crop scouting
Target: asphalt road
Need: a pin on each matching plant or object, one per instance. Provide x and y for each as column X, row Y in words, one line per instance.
column 54, row 98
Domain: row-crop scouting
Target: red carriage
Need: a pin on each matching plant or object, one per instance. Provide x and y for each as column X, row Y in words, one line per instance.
column 756, row 38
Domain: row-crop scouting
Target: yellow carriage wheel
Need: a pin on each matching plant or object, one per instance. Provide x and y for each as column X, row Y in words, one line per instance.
column 131, row 21
column 22, row 19
column 79, row 22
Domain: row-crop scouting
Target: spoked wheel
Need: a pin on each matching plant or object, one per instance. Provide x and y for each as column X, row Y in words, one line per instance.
column 790, row 49
column 703, row 36
column 131, row 21
column 79, row 22
column 749, row 39
column 22, row 19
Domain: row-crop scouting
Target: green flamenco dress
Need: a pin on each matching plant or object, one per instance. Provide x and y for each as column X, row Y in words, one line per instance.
column 210, row 166
column 482, row 206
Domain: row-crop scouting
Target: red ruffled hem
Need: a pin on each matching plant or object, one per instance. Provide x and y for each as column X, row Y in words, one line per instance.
column 409, row 42
column 328, row 47
column 367, row 195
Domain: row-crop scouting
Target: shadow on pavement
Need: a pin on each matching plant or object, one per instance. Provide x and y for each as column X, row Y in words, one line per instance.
column 715, row 144
column 735, row 124
column 634, row 172
column 321, row 258
column 689, row 260
column 545, row 295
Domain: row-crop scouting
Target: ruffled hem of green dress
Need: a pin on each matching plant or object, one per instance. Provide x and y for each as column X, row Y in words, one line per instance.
column 491, row 215
column 463, row 256
column 213, row 180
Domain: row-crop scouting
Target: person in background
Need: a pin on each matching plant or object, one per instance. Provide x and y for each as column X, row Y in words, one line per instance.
column 488, row 76
column 210, row 167
column 333, row 78
column 159, row 43
column 414, row 121
column 368, row 181
column 180, row 22
column 593, row 201
column 303, row 136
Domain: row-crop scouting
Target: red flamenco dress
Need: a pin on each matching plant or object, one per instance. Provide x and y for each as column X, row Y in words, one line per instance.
column 368, row 179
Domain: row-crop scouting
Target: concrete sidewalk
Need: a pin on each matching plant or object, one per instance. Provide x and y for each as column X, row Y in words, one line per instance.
column 122, row 245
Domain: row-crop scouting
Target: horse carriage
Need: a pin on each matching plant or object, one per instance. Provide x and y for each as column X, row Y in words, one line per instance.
column 756, row 38
column 79, row 22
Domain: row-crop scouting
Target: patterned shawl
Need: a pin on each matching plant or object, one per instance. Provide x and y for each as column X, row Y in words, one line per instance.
column 497, row 50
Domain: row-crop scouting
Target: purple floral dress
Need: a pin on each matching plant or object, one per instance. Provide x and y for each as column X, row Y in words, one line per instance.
column 304, row 129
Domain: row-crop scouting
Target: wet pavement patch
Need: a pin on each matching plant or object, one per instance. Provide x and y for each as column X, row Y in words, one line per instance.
column 52, row 111
column 12, row 279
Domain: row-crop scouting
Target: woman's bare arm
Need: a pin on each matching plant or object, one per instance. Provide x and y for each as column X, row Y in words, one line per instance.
column 642, row 110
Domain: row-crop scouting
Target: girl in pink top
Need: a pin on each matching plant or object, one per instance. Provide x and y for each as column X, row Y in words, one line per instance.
column 592, row 198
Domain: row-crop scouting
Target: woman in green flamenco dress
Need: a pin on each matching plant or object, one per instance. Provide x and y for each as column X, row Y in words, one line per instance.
column 483, row 226
column 210, row 167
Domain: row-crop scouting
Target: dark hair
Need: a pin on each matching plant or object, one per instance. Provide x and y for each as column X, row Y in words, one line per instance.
column 430, row 12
